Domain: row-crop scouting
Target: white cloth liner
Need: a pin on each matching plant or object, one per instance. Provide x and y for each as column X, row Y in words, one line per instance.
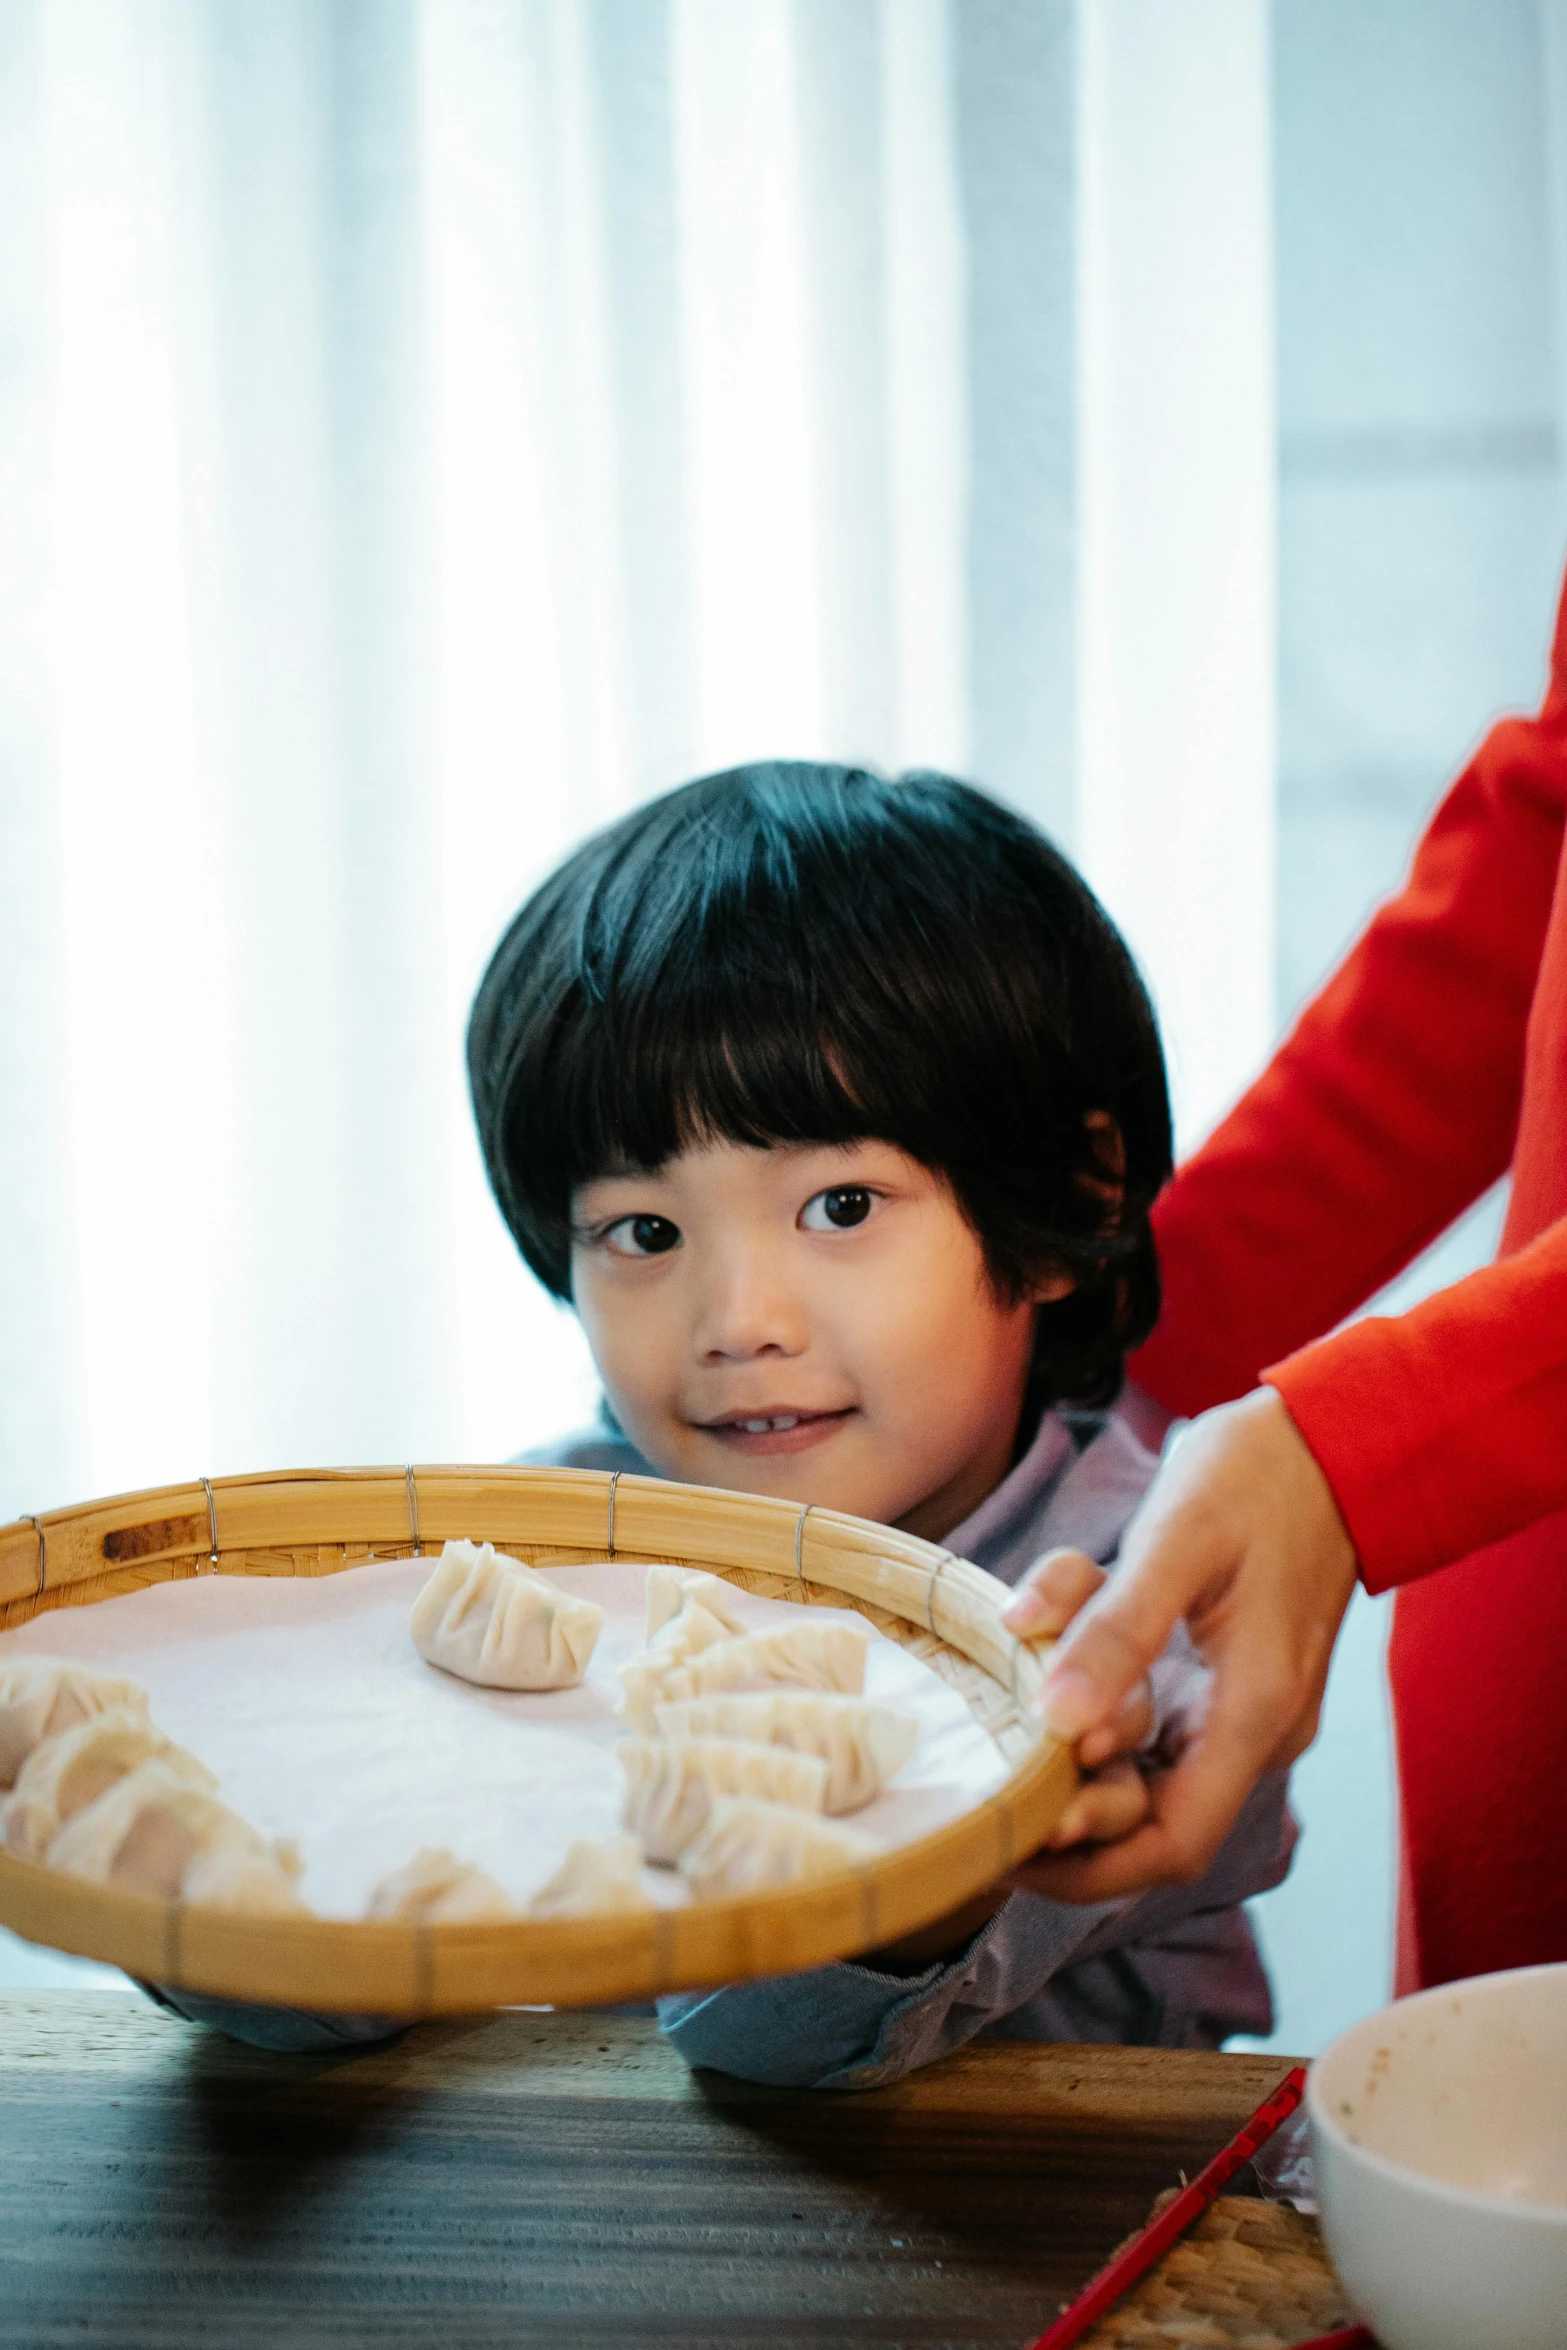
column 308, row 1699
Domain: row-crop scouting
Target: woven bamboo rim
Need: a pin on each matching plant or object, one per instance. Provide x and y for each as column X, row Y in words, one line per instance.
column 322, row 1521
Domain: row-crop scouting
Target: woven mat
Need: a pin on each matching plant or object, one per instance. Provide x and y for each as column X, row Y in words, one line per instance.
column 1249, row 2276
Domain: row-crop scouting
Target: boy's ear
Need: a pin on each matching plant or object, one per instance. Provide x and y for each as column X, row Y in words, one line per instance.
column 1106, row 1185
column 1051, row 1287
column 1108, row 1146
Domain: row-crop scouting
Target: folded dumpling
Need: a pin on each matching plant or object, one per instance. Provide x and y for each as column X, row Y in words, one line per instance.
column 41, row 1696
column 493, row 1620
column 599, row 1877
column 437, row 1889
column 819, row 1654
column 674, row 1592
column 749, row 1845
column 146, row 1830
column 687, row 1611
column 863, row 1745
column 646, row 1681
column 671, row 1784
column 262, row 1884
column 66, row 1773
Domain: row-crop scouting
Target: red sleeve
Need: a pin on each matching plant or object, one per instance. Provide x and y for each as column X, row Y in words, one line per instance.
column 1445, row 1428
column 1394, row 1101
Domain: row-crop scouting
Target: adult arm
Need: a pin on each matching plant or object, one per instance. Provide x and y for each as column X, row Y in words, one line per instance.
column 1394, row 1445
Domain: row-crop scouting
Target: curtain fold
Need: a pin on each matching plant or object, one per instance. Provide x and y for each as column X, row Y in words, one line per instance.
column 430, row 426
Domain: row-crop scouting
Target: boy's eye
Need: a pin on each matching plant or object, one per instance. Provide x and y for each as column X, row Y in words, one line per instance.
column 838, row 1210
column 642, row 1236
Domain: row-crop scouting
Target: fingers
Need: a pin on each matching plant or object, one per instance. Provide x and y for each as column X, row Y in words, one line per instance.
column 1126, row 1730
column 1107, row 1806
column 1097, row 1667
column 1167, row 1559
column 1192, row 1808
column 1051, row 1593
column 1241, row 1535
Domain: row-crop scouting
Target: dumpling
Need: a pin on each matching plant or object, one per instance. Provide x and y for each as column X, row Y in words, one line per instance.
column 673, row 1592
column 41, row 1696
column 66, row 1773
column 490, row 1619
column 671, row 1783
column 863, row 1745
column 687, row 1612
column 809, row 1655
column 144, row 1833
column 599, row 1877
column 646, row 1681
column 259, row 1883
column 748, row 1846
column 437, row 1889
column 812, row 1655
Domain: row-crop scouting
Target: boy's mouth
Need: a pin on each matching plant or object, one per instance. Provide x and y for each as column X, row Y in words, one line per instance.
column 776, row 1431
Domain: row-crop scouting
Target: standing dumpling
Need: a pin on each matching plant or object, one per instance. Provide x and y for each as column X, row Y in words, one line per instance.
column 750, row 1846
column 146, row 1832
column 671, row 1784
column 687, row 1612
column 601, row 1876
column 435, row 1888
column 491, row 1619
column 673, row 1596
column 259, row 1884
column 40, row 1696
column 66, row 1773
column 819, row 1653
column 863, row 1745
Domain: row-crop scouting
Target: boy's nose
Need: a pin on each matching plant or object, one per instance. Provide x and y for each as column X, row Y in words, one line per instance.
column 744, row 1311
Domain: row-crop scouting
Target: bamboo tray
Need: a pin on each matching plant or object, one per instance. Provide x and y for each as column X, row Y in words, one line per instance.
column 327, row 1521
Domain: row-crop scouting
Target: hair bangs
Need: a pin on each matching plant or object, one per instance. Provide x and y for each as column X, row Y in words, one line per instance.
column 643, row 1081
column 809, row 954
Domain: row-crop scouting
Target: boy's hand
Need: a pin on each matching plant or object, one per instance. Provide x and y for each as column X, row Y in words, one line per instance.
column 1240, row 1534
column 1113, row 1799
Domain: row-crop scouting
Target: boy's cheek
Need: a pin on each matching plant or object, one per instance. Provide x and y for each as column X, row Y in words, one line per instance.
column 627, row 1360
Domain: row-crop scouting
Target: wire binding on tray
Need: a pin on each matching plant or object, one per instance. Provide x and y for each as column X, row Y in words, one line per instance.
column 212, row 1526
column 43, row 1553
column 936, row 1573
column 413, row 1508
column 609, row 1533
column 799, row 1541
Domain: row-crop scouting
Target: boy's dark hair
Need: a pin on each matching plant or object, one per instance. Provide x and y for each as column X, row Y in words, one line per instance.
column 801, row 953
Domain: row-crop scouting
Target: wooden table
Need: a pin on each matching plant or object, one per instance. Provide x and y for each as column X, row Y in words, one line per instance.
column 561, row 2179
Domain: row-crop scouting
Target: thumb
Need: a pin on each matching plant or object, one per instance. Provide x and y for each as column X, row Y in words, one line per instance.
column 1098, row 1662
column 1165, row 1564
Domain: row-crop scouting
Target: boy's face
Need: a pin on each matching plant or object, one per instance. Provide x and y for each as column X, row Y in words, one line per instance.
column 810, row 1321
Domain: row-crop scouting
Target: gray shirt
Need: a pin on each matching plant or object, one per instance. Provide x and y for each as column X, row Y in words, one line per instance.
column 1177, row 1968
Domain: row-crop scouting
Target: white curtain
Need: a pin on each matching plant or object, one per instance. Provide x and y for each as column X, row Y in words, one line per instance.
column 426, row 429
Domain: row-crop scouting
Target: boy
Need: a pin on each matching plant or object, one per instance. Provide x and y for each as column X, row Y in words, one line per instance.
column 836, row 1108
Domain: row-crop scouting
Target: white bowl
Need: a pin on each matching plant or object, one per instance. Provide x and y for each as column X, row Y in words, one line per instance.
column 1439, row 2135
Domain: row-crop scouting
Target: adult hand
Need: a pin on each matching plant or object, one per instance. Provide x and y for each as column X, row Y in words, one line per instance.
column 1112, row 1797
column 1240, row 1534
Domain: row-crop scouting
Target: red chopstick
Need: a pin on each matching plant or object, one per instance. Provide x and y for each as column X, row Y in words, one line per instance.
column 1139, row 2256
